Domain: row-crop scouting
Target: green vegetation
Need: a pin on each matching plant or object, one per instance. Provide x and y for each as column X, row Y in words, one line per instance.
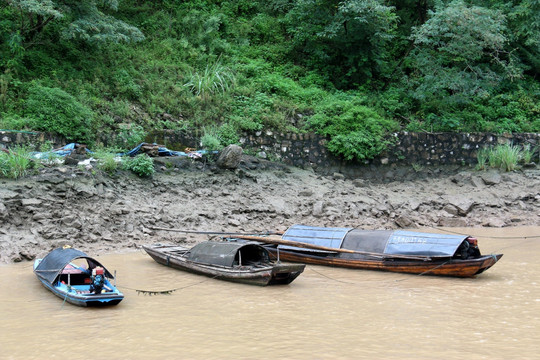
column 142, row 165
column 504, row 157
column 15, row 163
column 352, row 70
column 106, row 160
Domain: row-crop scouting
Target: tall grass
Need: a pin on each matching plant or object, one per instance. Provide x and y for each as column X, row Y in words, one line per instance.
column 509, row 156
column 482, row 158
column 106, row 160
column 15, row 163
column 504, row 157
column 215, row 79
column 528, row 153
column 210, row 139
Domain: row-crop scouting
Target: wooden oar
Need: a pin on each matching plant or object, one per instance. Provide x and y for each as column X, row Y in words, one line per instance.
column 209, row 232
column 280, row 241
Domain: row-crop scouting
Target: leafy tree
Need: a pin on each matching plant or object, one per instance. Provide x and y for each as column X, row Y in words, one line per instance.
column 347, row 39
column 524, row 20
column 83, row 20
column 460, row 53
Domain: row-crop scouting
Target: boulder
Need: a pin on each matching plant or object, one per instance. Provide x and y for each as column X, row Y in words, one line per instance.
column 3, row 210
column 462, row 203
column 491, row 178
column 230, row 157
column 405, row 222
column 318, row 209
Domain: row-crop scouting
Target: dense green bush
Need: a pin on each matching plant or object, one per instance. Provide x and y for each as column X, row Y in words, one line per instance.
column 129, row 135
column 106, row 160
column 355, row 130
column 142, row 165
column 210, row 139
column 54, row 110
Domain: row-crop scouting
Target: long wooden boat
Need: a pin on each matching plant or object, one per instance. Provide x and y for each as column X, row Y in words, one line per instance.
column 387, row 250
column 239, row 262
column 77, row 278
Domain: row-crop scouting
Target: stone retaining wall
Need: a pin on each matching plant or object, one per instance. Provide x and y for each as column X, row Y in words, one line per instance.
column 409, row 148
column 308, row 150
column 9, row 138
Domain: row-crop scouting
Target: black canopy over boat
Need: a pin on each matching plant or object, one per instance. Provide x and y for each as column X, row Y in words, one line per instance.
column 83, row 285
column 240, row 262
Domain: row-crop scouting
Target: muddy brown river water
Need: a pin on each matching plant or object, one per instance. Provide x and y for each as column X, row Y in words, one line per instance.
column 327, row 313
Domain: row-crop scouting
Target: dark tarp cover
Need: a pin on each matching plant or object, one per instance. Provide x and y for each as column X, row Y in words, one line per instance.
column 225, row 253
column 52, row 264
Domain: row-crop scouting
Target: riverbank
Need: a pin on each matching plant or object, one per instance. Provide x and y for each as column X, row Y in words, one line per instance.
column 99, row 213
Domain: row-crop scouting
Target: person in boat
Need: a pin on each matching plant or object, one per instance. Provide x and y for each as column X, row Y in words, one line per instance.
column 98, row 280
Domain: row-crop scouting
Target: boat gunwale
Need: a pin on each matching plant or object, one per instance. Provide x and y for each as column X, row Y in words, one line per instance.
column 249, row 269
column 440, row 267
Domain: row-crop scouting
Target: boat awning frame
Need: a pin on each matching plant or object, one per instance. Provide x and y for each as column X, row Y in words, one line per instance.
column 425, row 244
column 52, row 265
column 225, row 253
column 328, row 237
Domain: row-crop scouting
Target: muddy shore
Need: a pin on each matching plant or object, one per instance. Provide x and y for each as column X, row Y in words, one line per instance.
column 100, row 213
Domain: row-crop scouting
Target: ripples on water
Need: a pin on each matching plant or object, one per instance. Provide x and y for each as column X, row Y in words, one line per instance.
column 327, row 313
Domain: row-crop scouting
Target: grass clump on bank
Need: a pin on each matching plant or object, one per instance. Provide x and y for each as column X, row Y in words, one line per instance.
column 505, row 157
column 15, row 163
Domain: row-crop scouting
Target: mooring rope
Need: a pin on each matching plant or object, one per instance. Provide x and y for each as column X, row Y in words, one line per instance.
column 165, row 292
column 328, row 277
column 63, row 302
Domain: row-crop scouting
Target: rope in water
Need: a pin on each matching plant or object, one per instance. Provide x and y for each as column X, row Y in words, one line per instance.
column 328, row 277
column 165, row 292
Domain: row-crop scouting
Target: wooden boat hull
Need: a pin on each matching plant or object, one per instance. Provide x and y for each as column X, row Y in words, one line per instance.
column 444, row 267
column 274, row 274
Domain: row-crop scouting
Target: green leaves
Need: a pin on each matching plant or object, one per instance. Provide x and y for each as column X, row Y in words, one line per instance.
column 460, row 53
column 142, row 165
column 355, row 130
column 215, row 79
column 54, row 110
column 348, row 39
column 15, row 163
column 84, row 20
column 47, row 8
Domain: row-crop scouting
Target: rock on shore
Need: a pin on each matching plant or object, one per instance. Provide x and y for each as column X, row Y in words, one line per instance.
column 98, row 213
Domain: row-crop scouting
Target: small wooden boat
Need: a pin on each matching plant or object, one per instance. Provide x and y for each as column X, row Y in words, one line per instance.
column 77, row 278
column 240, row 262
column 387, row 250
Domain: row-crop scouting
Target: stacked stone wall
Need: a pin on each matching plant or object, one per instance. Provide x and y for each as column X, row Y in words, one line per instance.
column 408, row 148
column 10, row 138
column 309, row 150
